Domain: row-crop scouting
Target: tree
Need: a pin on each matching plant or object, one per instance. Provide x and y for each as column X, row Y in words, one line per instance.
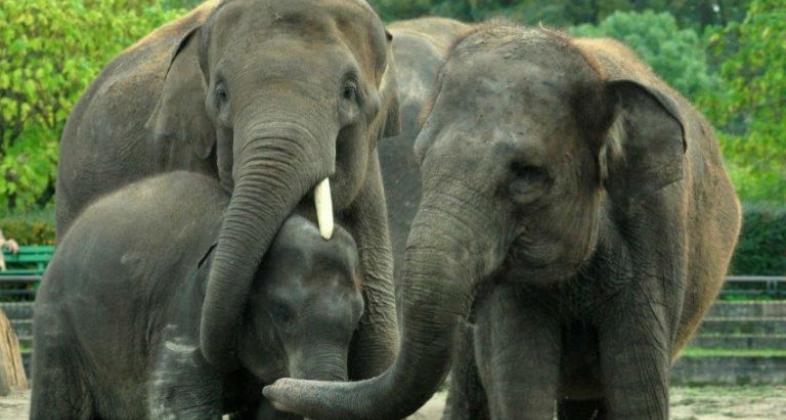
column 750, row 106
column 12, row 373
column 49, row 54
column 391, row 10
column 697, row 14
column 677, row 55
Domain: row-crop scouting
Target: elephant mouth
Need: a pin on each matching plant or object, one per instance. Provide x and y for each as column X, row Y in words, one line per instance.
column 537, row 265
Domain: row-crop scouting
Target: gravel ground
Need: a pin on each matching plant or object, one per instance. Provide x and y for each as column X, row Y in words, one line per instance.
column 711, row 403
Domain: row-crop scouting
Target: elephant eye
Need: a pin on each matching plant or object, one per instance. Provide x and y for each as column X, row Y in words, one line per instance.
column 350, row 90
column 221, row 93
column 528, row 173
column 527, row 182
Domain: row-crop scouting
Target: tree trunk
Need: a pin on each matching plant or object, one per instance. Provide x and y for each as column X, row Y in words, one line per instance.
column 12, row 373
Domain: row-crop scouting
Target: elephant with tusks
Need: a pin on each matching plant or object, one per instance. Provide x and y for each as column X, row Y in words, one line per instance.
column 282, row 102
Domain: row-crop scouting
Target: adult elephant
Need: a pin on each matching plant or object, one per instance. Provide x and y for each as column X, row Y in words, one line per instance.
column 272, row 98
column 420, row 47
column 580, row 205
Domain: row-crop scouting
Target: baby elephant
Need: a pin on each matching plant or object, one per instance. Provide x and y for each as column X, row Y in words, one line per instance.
column 118, row 315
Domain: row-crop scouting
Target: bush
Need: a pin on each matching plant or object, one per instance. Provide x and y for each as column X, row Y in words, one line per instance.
column 36, row 228
column 49, row 53
column 762, row 245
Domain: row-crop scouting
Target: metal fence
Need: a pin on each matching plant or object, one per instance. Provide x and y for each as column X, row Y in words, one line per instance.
column 18, row 287
column 23, row 287
column 750, row 286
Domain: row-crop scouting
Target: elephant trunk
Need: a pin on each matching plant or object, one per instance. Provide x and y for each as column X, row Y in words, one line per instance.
column 440, row 271
column 279, row 164
column 321, row 362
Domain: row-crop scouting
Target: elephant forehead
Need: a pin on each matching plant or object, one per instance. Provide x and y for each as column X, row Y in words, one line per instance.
column 320, row 22
column 491, row 75
column 315, row 20
column 527, row 54
column 252, row 20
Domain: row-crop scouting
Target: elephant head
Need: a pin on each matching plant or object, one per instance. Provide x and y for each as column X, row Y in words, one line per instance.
column 304, row 305
column 284, row 95
column 532, row 143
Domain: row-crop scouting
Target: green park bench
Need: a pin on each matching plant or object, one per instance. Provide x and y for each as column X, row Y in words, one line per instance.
column 23, row 271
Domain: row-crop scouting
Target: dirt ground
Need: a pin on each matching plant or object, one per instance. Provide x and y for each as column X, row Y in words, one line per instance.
column 711, row 403
column 14, row 406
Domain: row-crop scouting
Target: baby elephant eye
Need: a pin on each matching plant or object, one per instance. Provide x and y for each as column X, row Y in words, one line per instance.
column 221, row 93
column 280, row 313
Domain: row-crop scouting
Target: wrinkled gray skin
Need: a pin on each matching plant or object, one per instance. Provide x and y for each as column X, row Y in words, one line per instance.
column 420, row 46
column 270, row 97
column 117, row 316
column 580, row 205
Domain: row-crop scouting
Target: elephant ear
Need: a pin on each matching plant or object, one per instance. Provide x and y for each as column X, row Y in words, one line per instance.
column 179, row 115
column 646, row 147
column 388, row 92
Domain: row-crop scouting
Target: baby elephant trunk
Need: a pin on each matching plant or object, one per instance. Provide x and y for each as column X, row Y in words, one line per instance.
column 320, row 362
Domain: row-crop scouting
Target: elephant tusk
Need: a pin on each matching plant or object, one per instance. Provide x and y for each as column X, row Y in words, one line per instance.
column 324, row 205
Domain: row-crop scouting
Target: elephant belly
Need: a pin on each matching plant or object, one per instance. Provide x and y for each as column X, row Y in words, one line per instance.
column 580, row 376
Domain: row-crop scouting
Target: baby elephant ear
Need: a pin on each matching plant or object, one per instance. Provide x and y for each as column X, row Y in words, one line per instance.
column 646, row 151
column 179, row 115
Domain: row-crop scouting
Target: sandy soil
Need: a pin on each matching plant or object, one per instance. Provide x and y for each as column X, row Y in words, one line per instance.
column 687, row 404
column 15, row 406
column 721, row 403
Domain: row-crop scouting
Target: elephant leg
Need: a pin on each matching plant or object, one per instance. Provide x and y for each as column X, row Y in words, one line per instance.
column 57, row 391
column 375, row 343
column 581, row 409
column 59, row 388
column 466, row 397
column 517, row 347
column 184, row 386
column 633, row 340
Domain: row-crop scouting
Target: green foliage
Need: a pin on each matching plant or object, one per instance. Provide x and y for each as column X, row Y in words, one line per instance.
column 745, row 297
column 749, row 107
column 391, row 10
column 764, row 353
column 561, row 13
column 49, row 54
column 762, row 245
column 180, row 4
column 677, row 55
column 31, row 228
